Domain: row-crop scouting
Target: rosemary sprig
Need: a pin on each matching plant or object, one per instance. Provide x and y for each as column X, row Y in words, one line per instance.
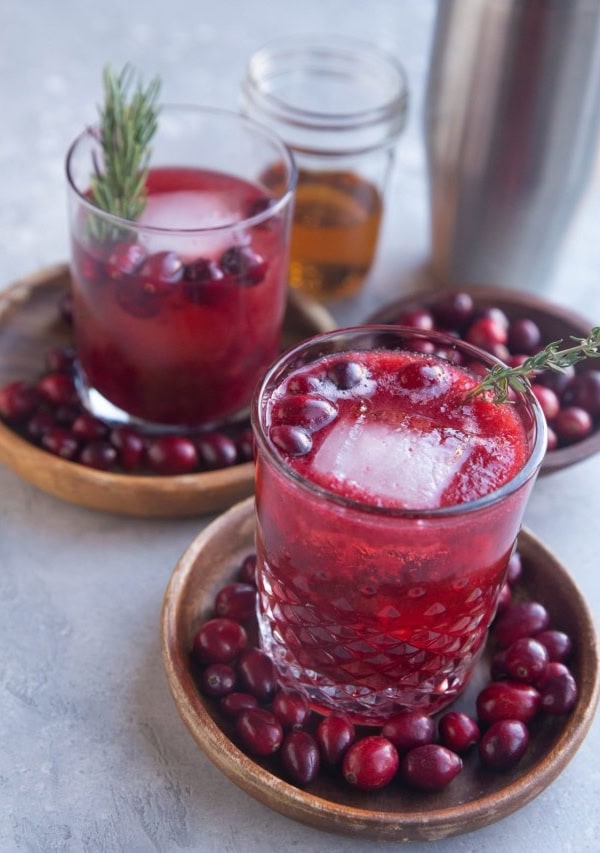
column 128, row 121
column 500, row 379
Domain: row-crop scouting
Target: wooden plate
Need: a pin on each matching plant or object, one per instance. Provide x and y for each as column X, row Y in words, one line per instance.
column 474, row 799
column 30, row 324
column 555, row 322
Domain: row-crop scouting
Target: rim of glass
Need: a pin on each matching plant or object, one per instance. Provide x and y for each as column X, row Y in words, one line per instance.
column 520, row 479
column 323, row 46
column 272, row 210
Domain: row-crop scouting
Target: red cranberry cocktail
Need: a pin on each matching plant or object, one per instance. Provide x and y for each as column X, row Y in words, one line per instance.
column 388, row 505
column 178, row 314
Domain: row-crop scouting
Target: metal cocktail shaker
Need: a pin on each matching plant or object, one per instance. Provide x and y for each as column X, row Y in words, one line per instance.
column 512, row 122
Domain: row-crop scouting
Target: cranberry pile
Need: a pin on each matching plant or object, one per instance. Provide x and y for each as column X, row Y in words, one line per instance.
column 48, row 413
column 570, row 401
column 529, row 677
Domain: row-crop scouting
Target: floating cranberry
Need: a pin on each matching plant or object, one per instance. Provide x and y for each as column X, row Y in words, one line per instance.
column 257, row 674
column 504, row 744
column 234, row 703
column 244, row 264
column 525, row 619
column 370, row 763
column 125, row 259
column 89, row 428
column 218, row 679
column 300, row 758
column 60, row 359
column 458, row 731
column 18, row 401
column 202, row 282
column 454, row 310
column 417, row 375
column 215, row 450
column 526, row 660
column 162, row 268
column 548, row 400
column 416, row 318
column 219, row 641
column 61, row 442
column 559, row 693
column 346, row 374
column 98, row 454
column 142, row 295
column 557, row 644
column 58, row 389
column 40, row 423
column 236, row 601
column 430, row 767
column 309, row 412
column 259, row 731
column 304, row 383
column 524, row 336
column 515, row 569
column 335, row 735
column 291, row 440
column 172, row 455
column 485, row 333
column 291, row 708
column 248, row 570
column 572, row 424
column 130, row 445
column 584, row 391
column 508, row 700
column 408, row 729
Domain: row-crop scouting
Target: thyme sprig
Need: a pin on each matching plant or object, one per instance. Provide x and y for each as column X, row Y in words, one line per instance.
column 500, row 380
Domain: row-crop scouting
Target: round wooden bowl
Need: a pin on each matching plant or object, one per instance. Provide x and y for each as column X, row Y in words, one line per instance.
column 555, row 322
column 30, row 324
column 474, row 799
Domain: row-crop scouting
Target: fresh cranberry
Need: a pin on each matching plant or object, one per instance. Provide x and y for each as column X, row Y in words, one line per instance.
column 486, row 333
column 142, row 295
column 572, row 424
column 309, row 412
column 559, row 381
column 408, row 729
column 61, row 442
column 244, row 444
column 552, row 442
column 162, row 268
column 60, row 359
column 370, row 763
column 257, row 674
column 215, row 450
column 553, row 669
column 58, row 389
column 291, row 440
column 335, row 735
column 89, row 428
column 346, row 374
column 430, row 767
column 248, row 570
column 172, row 455
column 504, row 744
column 218, row 679
column 18, row 401
column 417, row 375
column 584, row 391
column 559, row 694
column 416, row 318
column 454, row 310
column 291, row 708
column 234, row 703
column 125, row 260
column 202, row 280
column 130, row 445
column 244, row 264
column 219, row 641
column 526, row 660
column 40, row 423
column 259, row 731
column 525, row 619
column 458, row 731
column 98, row 454
column 548, row 400
column 236, row 601
column 524, row 336
column 493, row 313
column 508, row 700
column 300, row 758
column 557, row 644
column 515, row 569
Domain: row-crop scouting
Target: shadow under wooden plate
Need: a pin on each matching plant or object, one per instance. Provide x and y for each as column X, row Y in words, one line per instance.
column 30, row 324
column 477, row 797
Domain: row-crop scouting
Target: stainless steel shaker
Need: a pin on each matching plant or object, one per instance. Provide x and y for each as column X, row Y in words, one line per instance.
column 512, row 122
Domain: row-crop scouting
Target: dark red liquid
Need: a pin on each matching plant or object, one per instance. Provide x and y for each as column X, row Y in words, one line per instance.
column 184, row 347
column 373, row 612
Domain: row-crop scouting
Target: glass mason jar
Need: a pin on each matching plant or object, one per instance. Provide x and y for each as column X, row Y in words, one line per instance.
column 340, row 105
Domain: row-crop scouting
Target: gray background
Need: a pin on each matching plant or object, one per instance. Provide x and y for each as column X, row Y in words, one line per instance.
column 93, row 756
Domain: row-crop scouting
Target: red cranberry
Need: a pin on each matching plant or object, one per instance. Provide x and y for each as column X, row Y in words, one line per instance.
column 291, row 708
column 58, row 389
column 559, row 694
column 304, row 383
column 67, row 414
column 346, row 374
column 244, row 264
column 572, row 424
column 248, row 570
column 291, row 440
column 526, row 660
column 416, row 318
column 558, row 381
column 215, row 450
column 234, row 703
column 418, row 375
column 504, row 744
column 60, row 359
column 236, row 601
column 552, row 442
column 131, row 447
column 202, row 280
column 218, row 679
column 300, row 758
column 162, row 268
column 61, row 442
column 39, row 424
column 430, row 767
column 557, row 644
column 257, row 674
column 485, row 333
column 309, row 412
column 259, row 731
column 219, row 641
column 141, row 296
column 125, row 259
column 408, row 729
column 525, row 619
column 370, row 763
column 524, row 336
column 172, row 455
column 98, row 454
column 89, row 428
column 515, row 569
column 553, row 669
column 458, row 731
column 508, row 700
column 454, row 310
column 335, row 734
column 584, row 391
column 18, row 401
column 547, row 399
column 492, row 312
